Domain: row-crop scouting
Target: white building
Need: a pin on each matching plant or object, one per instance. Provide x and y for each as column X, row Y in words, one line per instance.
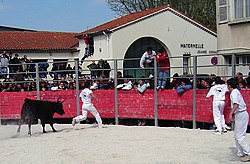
column 163, row 27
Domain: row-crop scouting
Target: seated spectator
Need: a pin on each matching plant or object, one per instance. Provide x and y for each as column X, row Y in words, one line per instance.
column 242, row 85
column 103, row 84
column 18, row 87
column 54, row 86
column 72, row 86
column 31, row 86
column 239, row 76
column 62, row 86
column 141, row 87
column 127, row 85
column 204, row 84
column 185, row 85
column 43, row 86
column 176, row 81
column 248, row 82
column 119, row 76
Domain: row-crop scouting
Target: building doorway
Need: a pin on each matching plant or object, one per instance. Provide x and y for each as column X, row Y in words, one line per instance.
column 135, row 51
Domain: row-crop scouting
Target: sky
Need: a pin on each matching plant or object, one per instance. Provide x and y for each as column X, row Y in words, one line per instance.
column 55, row 15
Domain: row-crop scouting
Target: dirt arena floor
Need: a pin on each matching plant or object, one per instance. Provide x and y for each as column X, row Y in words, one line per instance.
column 115, row 144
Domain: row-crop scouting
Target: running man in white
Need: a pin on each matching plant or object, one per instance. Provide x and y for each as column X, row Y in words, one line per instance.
column 87, row 106
column 241, row 117
column 218, row 92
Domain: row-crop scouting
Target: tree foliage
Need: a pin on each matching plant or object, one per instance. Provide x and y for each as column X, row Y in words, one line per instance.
column 203, row 11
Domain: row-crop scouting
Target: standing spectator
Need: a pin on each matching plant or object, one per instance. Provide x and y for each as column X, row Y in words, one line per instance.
column 163, row 61
column 18, row 76
column 25, row 65
column 87, row 106
column 147, row 60
column 17, row 63
column 241, row 118
column 107, row 69
column 70, row 70
column 218, row 92
column 4, row 61
column 92, row 67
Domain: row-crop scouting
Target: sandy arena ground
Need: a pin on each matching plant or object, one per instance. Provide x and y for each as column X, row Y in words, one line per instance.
column 115, row 144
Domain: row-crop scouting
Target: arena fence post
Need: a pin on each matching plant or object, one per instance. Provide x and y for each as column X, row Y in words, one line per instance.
column 37, row 83
column 194, row 90
column 38, row 97
column 233, row 61
column 155, row 93
column 116, row 93
column 233, row 65
column 77, row 87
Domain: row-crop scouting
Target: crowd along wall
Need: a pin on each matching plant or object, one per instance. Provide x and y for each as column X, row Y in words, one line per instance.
column 131, row 104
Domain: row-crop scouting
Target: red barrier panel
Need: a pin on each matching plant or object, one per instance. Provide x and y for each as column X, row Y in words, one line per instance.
column 131, row 104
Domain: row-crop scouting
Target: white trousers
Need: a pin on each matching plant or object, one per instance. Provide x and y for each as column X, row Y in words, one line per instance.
column 219, row 119
column 89, row 108
column 241, row 123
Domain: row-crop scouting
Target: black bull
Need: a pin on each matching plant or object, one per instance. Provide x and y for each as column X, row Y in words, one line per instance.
column 43, row 110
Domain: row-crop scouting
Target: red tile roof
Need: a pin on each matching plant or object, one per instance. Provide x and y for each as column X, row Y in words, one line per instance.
column 137, row 16
column 40, row 40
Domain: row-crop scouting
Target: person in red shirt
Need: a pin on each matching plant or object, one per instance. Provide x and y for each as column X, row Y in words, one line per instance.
column 164, row 64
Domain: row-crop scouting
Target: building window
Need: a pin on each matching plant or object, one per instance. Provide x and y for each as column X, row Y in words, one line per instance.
column 241, row 9
column 228, row 60
column 186, row 60
column 245, row 60
column 223, row 10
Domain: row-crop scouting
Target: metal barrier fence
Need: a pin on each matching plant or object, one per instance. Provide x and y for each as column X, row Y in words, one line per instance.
column 38, row 74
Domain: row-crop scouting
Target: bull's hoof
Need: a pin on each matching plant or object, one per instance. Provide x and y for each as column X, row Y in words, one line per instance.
column 54, row 131
column 44, row 131
column 29, row 134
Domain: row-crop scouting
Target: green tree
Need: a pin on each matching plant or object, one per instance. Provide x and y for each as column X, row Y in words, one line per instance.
column 203, row 11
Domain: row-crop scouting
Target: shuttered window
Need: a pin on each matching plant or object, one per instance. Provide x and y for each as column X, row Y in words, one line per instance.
column 223, row 10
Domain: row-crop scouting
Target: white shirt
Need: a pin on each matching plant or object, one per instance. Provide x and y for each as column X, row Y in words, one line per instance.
column 85, row 96
column 237, row 98
column 218, row 91
column 147, row 58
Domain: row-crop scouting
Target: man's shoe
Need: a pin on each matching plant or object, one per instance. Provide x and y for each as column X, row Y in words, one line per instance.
column 246, row 158
column 73, row 122
column 150, row 76
column 148, row 85
column 158, row 87
column 162, row 87
column 224, row 130
column 217, row 132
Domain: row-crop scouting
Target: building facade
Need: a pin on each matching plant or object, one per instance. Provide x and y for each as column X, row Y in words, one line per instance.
column 233, row 27
column 163, row 27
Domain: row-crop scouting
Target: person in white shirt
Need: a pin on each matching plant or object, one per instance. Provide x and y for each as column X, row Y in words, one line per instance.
column 87, row 106
column 218, row 92
column 147, row 60
column 241, row 118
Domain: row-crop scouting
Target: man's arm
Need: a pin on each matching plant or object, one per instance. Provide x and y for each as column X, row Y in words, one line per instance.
column 142, row 61
column 235, row 106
